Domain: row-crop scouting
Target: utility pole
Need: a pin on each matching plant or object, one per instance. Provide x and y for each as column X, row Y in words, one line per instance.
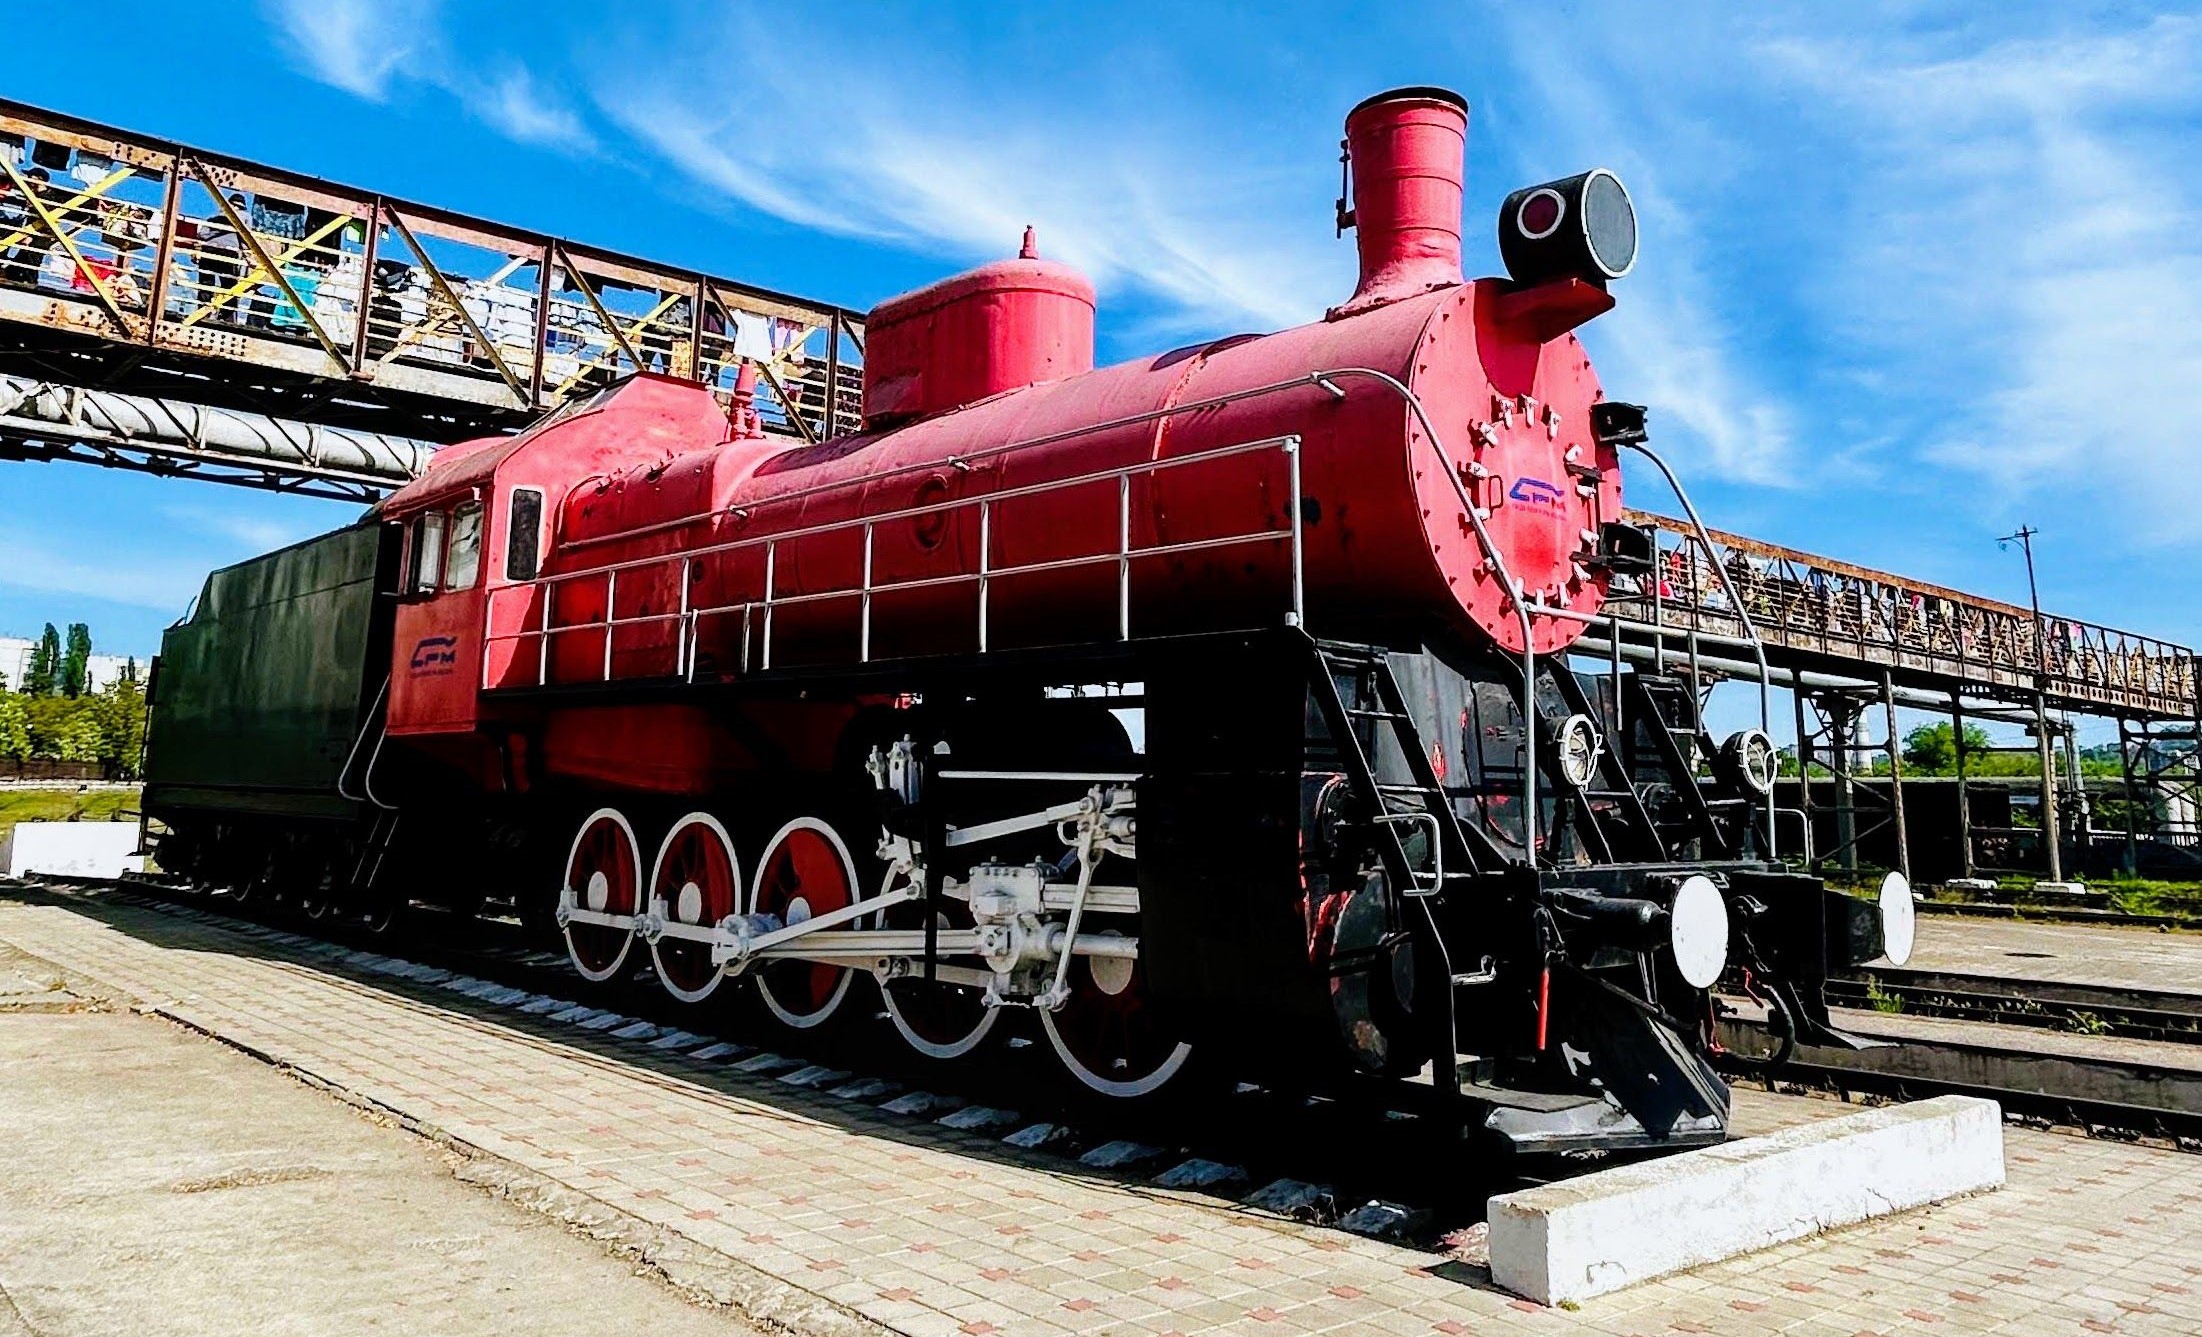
column 2024, row 537
column 2052, row 833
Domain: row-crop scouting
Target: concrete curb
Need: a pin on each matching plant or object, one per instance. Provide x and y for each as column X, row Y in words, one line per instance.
column 1582, row 1237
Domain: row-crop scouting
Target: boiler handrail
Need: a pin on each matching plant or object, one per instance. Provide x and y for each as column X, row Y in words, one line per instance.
column 1290, row 532
column 1743, row 614
column 1497, row 562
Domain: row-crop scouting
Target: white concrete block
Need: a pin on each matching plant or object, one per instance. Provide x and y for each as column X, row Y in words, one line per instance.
column 1583, row 1237
column 71, row 849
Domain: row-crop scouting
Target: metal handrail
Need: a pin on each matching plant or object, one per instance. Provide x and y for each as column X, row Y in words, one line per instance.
column 689, row 617
column 1497, row 562
column 1758, row 646
column 1874, row 616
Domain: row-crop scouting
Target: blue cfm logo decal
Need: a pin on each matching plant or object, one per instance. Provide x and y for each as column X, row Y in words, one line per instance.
column 1536, row 492
column 435, row 655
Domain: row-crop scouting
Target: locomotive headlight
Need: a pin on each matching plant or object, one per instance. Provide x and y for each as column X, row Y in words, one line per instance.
column 1697, row 930
column 1576, row 744
column 1898, row 925
column 1748, row 760
column 1581, row 227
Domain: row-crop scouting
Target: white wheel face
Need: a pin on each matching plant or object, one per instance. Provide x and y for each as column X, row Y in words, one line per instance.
column 605, row 853
column 1697, row 926
column 700, row 855
column 1899, row 920
column 802, row 994
column 1121, row 1088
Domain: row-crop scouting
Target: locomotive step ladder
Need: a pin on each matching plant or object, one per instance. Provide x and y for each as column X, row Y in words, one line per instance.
column 367, row 871
column 1420, row 802
column 1394, row 809
column 1612, row 784
column 1670, row 708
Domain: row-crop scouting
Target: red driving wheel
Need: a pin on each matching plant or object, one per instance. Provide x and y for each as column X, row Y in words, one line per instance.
column 697, row 883
column 806, row 872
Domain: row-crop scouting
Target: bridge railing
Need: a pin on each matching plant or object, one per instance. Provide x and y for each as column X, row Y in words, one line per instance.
column 1815, row 604
column 146, row 242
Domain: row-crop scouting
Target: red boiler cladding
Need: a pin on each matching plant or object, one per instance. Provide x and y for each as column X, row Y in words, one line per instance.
column 1420, row 387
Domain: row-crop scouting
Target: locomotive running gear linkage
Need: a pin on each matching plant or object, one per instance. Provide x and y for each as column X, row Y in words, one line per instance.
column 1027, row 923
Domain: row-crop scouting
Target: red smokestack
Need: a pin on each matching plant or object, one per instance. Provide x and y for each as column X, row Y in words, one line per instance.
column 1406, row 149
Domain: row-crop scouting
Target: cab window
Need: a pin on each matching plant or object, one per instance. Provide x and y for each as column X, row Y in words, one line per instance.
column 465, row 562
column 524, row 534
column 427, row 549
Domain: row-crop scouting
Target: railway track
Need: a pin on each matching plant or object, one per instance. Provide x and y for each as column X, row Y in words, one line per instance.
column 2060, row 914
column 2042, row 1106
column 2080, row 1009
column 2113, row 1062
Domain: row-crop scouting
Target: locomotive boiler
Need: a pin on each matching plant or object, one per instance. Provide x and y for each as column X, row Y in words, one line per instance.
column 1212, row 710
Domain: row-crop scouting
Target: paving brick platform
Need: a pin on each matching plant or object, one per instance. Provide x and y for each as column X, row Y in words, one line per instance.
column 923, row 1229
column 2116, row 958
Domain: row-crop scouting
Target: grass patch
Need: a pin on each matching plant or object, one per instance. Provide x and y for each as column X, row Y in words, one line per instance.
column 67, row 803
column 1880, row 1000
column 2149, row 896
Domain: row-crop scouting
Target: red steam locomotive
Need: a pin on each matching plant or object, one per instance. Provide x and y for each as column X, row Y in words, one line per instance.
column 1214, row 705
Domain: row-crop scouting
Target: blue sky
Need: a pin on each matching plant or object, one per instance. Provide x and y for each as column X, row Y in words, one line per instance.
column 1911, row 274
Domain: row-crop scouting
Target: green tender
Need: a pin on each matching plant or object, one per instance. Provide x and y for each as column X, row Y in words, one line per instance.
column 262, row 691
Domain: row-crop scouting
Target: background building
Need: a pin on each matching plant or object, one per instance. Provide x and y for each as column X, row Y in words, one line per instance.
column 100, row 670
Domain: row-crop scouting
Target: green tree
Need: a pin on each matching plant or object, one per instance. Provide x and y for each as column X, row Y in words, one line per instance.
column 1931, row 749
column 119, row 713
column 76, row 662
column 64, row 729
column 44, row 673
column 15, row 727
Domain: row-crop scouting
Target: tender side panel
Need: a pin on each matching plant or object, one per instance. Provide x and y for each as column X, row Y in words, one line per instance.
column 263, row 690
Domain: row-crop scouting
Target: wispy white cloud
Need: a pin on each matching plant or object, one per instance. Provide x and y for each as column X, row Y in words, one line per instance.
column 910, row 155
column 160, row 583
column 248, row 533
column 2028, row 237
column 360, row 46
column 371, row 48
column 516, row 106
column 1674, row 341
